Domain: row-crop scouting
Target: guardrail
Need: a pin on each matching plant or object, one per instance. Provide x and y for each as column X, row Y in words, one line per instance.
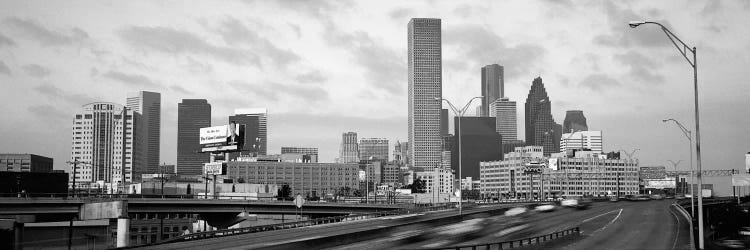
column 575, row 231
column 296, row 224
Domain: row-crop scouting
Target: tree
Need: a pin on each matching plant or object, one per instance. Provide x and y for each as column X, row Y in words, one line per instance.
column 285, row 192
column 241, row 180
column 418, row 186
column 357, row 192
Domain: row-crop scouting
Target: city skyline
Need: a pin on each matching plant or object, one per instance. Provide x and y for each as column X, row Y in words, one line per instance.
column 627, row 72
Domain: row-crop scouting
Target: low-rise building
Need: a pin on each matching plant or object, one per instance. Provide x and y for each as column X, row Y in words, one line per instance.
column 25, row 163
column 438, row 180
column 306, row 179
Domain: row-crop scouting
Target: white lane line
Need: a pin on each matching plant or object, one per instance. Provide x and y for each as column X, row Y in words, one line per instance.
column 674, row 244
column 610, row 223
column 587, row 220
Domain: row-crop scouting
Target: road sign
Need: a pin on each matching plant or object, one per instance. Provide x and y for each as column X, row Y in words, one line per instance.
column 298, row 201
column 213, row 168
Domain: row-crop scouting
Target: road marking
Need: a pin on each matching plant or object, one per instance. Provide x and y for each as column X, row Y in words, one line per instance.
column 610, row 222
column 678, row 228
column 587, row 220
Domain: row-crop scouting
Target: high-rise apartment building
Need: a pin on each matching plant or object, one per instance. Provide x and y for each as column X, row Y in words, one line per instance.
column 256, row 130
column 192, row 115
column 506, row 124
column 493, row 86
column 303, row 151
column 425, row 91
column 148, row 127
column 541, row 129
column 574, row 121
column 349, row 150
column 373, row 148
column 98, row 143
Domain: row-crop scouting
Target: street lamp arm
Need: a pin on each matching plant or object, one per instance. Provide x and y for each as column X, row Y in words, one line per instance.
column 684, row 130
column 463, row 110
column 453, row 108
column 672, row 37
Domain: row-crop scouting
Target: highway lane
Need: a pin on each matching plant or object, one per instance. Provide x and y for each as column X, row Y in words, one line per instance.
column 280, row 237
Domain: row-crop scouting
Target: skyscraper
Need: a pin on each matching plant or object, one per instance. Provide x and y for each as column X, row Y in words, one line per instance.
column 444, row 122
column 479, row 142
column 256, row 130
column 148, row 127
column 401, row 153
column 575, row 121
column 541, row 129
column 425, row 91
column 349, row 150
column 506, row 124
column 375, row 148
column 192, row 115
column 98, row 141
column 493, row 86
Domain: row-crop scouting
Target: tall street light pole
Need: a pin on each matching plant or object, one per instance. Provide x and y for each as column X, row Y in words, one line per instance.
column 459, row 113
column 692, row 173
column 684, row 49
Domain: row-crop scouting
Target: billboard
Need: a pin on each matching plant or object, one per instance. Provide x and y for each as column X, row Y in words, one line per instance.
column 552, row 163
column 747, row 162
column 741, row 180
column 214, row 168
column 667, row 182
column 226, row 138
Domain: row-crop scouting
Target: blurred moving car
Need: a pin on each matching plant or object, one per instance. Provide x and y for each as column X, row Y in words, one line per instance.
column 516, row 211
column 579, row 203
column 642, row 197
column 614, row 199
column 657, row 197
column 545, row 207
column 569, row 203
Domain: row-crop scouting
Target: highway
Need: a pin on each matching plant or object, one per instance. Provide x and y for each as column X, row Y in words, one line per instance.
column 605, row 225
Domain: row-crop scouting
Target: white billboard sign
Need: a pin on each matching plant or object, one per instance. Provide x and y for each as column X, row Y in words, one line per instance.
column 747, row 162
column 213, row 168
column 218, row 134
column 741, row 180
column 552, row 163
column 667, row 182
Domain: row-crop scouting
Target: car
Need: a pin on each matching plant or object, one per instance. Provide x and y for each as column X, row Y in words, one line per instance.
column 657, row 197
column 545, row 207
column 642, row 197
column 613, row 199
column 516, row 211
column 569, row 203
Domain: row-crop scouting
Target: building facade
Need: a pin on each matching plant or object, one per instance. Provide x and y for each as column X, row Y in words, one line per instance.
column 401, row 153
column 506, row 123
column 192, row 115
column 425, row 91
column 588, row 175
column 373, row 148
column 25, row 163
column 103, row 142
column 349, row 149
column 306, row 179
column 493, row 87
column 313, row 152
column 148, row 127
column 574, row 121
column 582, row 140
column 256, row 130
column 541, row 129
column 478, row 142
column 437, row 181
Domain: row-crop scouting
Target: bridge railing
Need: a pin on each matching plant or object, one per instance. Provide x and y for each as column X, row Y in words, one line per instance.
column 520, row 243
column 306, row 223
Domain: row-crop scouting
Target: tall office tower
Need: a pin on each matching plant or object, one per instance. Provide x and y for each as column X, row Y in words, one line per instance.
column 375, row 148
column 349, row 151
column 98, row 141
column 478, row 142
column 300, row 150
column 506, row 124
column 493, row 86
column 192, row 115
column 574, row 121
column 425, row 92
column 444, row 122
column 256, row 130
column 580, row 140
column 541, row 129
column 148, row 127
column 401, row 153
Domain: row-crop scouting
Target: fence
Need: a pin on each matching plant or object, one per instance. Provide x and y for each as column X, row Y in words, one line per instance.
column 525, row 242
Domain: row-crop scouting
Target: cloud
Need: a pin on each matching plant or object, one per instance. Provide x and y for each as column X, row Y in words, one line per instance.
column 319, row 9
column 400, row 13
column 479, row 46
column 46, row 36
column 51, row 92
column 384, row 68
column 35, row 70
column 47, row 111
column 4, row 68
column 6, row 41
column 234, row 32
column 599, row 82
column 623, row 36
column 135, row 79
column 177, row 42
column 272, row 91
column 312, row 76
column 180, row 89
column 641, row 67
column 296, row 29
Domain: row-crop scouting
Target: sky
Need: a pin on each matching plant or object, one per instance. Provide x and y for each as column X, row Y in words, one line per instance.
column 327, row 67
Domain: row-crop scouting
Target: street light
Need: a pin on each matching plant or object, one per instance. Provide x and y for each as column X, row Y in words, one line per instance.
column 690, row 149
column 459, row 113
column 694, row 63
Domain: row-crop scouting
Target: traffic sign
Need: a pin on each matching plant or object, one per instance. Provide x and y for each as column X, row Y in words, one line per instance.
column 298, row 201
